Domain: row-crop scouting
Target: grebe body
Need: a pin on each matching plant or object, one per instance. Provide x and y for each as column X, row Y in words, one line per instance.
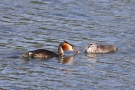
column 93, row 48
column 43, row 53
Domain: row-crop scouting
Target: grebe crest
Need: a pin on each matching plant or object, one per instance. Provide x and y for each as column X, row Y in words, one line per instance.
column 67, row 46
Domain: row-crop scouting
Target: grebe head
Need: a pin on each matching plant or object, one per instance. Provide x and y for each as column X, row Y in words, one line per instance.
column 91, row 48
column 68, row 47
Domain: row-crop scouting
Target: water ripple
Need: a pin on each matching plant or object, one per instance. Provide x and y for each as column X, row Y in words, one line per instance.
column 29, row 25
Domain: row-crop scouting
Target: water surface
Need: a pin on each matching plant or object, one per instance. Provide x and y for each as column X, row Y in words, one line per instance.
column 32, row 24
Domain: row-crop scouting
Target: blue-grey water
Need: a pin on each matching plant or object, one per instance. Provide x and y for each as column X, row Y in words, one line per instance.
column 33, row 24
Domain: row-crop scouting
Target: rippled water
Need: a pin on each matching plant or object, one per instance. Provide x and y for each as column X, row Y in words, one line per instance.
column 32, row 24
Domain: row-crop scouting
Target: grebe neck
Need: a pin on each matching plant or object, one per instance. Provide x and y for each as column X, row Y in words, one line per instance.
column 60, row 51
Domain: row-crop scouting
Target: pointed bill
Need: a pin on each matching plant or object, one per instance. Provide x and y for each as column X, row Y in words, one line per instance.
column 75, row 50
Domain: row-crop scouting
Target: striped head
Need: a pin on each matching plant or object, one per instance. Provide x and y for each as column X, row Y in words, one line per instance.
column 91, row 48
column 68, row 47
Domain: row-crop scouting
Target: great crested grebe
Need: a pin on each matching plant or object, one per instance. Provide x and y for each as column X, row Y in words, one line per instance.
column 93, row 48
column 43, row 53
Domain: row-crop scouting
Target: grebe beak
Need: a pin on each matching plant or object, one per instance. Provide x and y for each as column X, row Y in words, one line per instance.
column 75, row 50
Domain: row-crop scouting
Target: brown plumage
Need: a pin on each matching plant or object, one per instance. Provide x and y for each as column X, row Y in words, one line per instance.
column 93, row 48
column 43, row 53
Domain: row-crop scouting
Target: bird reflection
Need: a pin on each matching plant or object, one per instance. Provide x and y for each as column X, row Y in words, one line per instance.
column 91, row 57
column 27, row 59
column 63, row 60
column 66, row 59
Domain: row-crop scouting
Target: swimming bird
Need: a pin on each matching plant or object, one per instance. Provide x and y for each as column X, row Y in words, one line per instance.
column 43, row 53
column 93, row 48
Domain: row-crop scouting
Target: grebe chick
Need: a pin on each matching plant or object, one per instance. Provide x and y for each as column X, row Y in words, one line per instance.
column 93, row 48
column 43, row 53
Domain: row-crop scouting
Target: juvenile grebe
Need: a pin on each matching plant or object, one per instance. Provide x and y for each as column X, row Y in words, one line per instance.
column 93, row 48
column 43, row 53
